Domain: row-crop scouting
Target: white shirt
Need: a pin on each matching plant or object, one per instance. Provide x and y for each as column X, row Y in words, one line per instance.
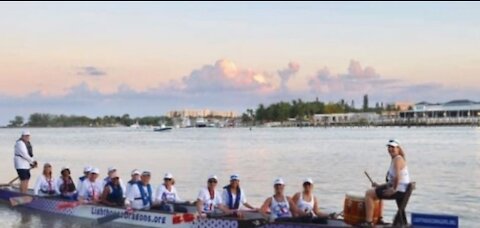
column 208, row 203
column 43, row 186
column 129, row 187
column 105, row 181
column 226, row 201
column 90, row 190
column 162, row 194
column 134, row 197
column 80, row 184
column 21, row 158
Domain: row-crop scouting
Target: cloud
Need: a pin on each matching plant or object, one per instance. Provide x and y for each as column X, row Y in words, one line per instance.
column 286, row 74
column 91, row 71
column 357, row 81
column 223, row 76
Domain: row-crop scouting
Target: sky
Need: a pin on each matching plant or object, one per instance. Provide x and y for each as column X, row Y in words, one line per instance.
column 146, row 58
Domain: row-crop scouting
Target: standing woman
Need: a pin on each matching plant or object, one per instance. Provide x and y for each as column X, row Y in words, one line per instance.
column 45, row 185
column 397, row 181
column 23, row 160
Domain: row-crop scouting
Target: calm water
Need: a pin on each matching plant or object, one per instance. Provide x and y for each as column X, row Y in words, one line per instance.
column 445, row 163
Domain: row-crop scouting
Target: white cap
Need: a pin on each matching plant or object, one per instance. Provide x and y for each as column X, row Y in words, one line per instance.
column 213, row 177
column 234, row 177
column 136, row 172
column 393, row 142
column 95, row 170
column 25, row 132
column 65, row 168
column 87, row 169
column 111, row 169
column 278, row 181
column 146, row 173
column 308, row 180
column 168, row 176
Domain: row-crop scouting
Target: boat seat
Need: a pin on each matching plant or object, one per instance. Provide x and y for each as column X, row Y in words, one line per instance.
column 400, row 217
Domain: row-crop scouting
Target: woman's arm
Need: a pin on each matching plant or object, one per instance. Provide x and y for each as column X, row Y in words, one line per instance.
column 316, row 208
column 265, row 206
column 295, row 199
column 105, row 193
column 293, row 207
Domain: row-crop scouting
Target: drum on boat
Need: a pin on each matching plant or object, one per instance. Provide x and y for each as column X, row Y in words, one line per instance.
column 354, row 209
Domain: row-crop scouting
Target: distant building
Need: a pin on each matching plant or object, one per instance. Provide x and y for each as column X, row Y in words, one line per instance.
column 202, row 113
column 451, row 109
column 342, row 118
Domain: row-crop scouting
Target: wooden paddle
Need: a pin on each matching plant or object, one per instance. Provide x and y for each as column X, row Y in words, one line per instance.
column 368, row 176
column 109, row 218
column 16, row 178
column 20, row 200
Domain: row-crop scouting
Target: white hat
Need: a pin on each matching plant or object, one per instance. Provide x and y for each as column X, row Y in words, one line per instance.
column 168, row 176
column 136, row 172
column 95, row 170
column 393, row 142
column 146, row 173
column 87, row 169
column 308, row 180
column 213, row 177
column 25, row 132
column 111, row 169
column 278, row 181
column 234, row 177
column 65, row 168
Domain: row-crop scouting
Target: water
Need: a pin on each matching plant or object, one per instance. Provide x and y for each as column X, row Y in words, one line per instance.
column 445, row 163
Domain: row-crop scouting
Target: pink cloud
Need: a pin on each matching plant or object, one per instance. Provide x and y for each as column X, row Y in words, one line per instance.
column 225, row 75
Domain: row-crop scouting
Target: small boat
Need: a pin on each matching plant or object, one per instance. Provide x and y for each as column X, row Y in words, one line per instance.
column 162, row 128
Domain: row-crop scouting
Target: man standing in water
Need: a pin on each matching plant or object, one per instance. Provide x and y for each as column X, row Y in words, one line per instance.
column 23, row 160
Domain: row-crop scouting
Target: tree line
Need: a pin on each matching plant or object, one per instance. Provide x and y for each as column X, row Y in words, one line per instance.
column 301, row 110
column 52, row 120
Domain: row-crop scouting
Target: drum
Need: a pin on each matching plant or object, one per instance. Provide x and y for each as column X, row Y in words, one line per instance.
column 354, row 209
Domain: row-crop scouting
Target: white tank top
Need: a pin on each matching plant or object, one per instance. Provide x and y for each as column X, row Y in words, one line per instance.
column 403, row 176
column 305, row 206
column 279, row 209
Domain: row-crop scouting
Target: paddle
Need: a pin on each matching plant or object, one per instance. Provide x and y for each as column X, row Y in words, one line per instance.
column 368, row 176
column 16, row 178
column 20, row 200
column 109, row 218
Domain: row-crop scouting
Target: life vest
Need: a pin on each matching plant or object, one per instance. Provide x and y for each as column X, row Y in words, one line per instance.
column 67, row 186
column 146, row 199
column 230, row 203
column 116, row 193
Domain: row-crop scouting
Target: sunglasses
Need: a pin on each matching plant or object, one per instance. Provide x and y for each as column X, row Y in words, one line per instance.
column 167, row 179
column 115, row 178
column 212, row 181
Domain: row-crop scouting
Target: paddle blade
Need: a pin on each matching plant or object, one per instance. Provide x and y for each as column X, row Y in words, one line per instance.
column 108, row 218
column 20, row 200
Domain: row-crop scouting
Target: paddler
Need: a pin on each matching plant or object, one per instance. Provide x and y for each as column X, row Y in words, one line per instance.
column 65, row 186
column 112, row 194
column 307, row 204
column 112, row 171
column 280, row 206
column 91, row 189
column 45, row 185
column 208, row 199
column 140, row 196
column 135, row 177
column 86, row 172
column 233, row 196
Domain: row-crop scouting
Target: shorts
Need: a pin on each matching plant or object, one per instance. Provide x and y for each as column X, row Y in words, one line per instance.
column 23, row 174
column 398, row 196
